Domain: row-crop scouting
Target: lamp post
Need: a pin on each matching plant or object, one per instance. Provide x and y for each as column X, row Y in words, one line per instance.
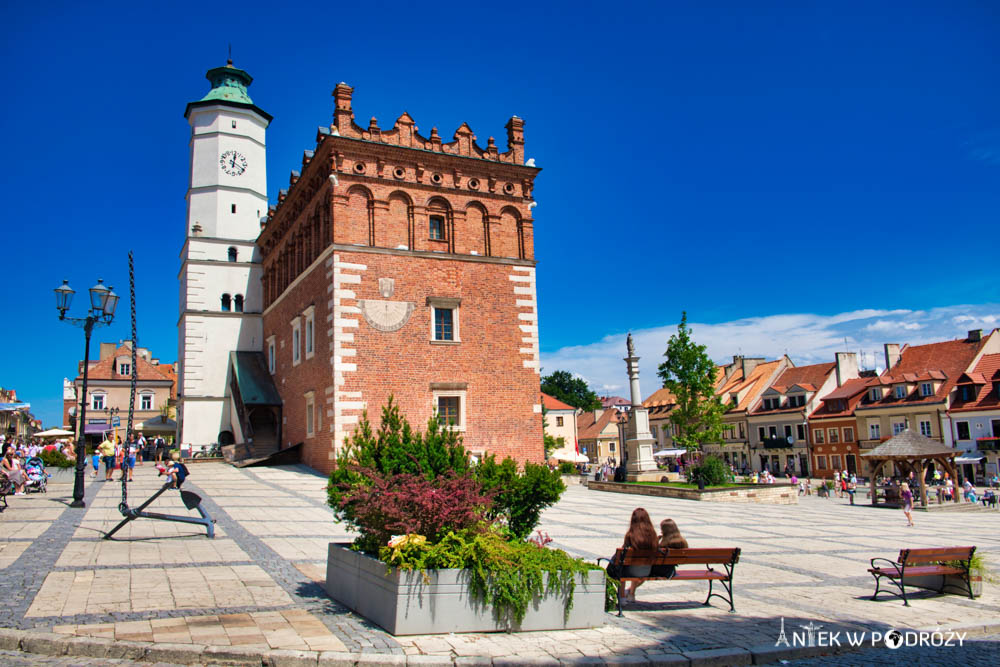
column 103, row 302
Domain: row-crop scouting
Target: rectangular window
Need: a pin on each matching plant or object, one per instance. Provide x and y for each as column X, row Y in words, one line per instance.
column 234, row 124
column 437, row 228
column 310, row 415
column 835, row 461
column 97, row 401
column 926, row 389
column 848, row 434
column 760, row 433
column 124, row 369
column 448, row 410
column 900, row 391
column 772, row 431
column 743, row 433
column 833, row 435
column 559, row 421
column 821, row 463
column 296, row 341
column 925, row 429
column 788, row 431
column 875, row 394
column 874, row 431
column 146, row 402
column 962, row 429
column 444, row 324
column 310, row 332
column 817, row 436
column 898, row 427
column 233, row 208
column 270, row 354
column 800, row 432
column 996, row 428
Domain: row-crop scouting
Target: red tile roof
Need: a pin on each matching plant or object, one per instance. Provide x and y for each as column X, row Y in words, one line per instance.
column 660, row 397
column 752, row 386
column 553, row 403
column 944, row 362
column 809, row 378
column 105, row 369
column 588, row 429
column 988, row 369
column 614, row 401
column 851, row 393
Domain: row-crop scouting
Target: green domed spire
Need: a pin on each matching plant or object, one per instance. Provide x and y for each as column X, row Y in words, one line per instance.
column 229, row 84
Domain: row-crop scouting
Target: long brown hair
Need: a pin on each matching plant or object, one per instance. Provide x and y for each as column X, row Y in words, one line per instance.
column 671, row 537
column 641, row 534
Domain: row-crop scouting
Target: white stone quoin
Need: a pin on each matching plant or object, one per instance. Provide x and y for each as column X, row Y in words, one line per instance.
column 226, row 199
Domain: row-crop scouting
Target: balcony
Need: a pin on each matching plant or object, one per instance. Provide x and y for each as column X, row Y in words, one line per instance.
column 988, row 444
column 776, row 442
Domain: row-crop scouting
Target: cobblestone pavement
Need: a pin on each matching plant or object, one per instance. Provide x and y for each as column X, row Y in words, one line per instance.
column 258, row 583
column 981, row 652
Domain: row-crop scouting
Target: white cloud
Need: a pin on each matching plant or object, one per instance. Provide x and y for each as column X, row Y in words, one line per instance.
column 805, row 338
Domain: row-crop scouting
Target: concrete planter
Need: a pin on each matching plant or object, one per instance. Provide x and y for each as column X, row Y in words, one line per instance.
column 765, row 494
column 955, row 584
column 439, row 601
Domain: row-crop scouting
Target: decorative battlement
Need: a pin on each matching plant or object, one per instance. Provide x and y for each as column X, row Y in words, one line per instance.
column 404, row 133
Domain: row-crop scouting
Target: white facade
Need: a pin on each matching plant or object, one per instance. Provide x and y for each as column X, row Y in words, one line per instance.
column 220, row 274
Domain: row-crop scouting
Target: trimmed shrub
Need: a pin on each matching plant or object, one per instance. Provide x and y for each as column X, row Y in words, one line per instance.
column 566, row 468
column 55, row 458
column 713, row 471
column 518, row 498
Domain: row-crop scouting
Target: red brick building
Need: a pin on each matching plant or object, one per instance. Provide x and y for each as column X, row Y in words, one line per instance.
column 398, row 264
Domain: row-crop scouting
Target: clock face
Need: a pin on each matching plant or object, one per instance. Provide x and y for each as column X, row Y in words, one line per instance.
column 233, row 163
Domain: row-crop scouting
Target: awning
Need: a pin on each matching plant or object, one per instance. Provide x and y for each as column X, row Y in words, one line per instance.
column 157, row 425
column 970, row 457
column 94, row 429
column 671, row 452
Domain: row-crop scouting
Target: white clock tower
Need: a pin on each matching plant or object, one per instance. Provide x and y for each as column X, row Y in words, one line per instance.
column 220, row 277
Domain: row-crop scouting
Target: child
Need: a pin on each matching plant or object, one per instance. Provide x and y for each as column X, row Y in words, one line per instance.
column 95, row 460
column 176, row 471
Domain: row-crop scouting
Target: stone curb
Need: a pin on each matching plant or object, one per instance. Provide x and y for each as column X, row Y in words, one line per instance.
column 47, row 643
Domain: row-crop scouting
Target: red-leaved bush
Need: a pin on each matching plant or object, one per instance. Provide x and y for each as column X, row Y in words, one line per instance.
column 405, row 503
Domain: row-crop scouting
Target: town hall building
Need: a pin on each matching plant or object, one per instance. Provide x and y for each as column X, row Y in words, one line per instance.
column 394, row 264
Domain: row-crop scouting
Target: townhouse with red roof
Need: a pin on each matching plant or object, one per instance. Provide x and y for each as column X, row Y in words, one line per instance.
column 598, row 434
column 739, row 386
column 975, row 418
column 918, row 388
column 778, row 425
column 559, row 421
column 833, row 429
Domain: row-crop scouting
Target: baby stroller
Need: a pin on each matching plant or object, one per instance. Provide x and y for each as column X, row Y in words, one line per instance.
column 36, row 478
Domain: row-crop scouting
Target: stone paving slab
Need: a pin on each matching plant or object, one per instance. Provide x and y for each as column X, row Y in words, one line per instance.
column 257, row 585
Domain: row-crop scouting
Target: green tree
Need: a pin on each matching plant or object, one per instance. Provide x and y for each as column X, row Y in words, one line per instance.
column 689, row 374
column 553, row 443
column 570, row 390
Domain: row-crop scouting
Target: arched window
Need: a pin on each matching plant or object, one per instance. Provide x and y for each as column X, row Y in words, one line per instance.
column 238, row 303
column 232, row 254
column 226, row 303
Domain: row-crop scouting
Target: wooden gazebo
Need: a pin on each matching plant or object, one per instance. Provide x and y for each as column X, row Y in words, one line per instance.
column 912, row 451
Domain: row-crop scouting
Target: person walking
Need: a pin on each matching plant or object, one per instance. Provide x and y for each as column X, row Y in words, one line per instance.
column 907, row 497
column 107, row 450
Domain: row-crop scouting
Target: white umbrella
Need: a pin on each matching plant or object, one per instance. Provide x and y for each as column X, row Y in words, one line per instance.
column 53, row 433
column 671, row 452
column 582, row 458
column 564, row 455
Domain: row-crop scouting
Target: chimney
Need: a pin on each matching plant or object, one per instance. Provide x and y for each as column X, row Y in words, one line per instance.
column 343, row 116
column 597, row 414
column 975, row 335
column 891, row 355
column 750, row 363
column 515, row 138
column 107, row 350
column 847, row 367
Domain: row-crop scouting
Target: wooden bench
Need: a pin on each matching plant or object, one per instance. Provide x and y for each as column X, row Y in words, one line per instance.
column 725, row 557
column 923, row 563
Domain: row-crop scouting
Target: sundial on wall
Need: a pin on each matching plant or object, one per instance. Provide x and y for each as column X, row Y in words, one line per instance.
column 386, row 315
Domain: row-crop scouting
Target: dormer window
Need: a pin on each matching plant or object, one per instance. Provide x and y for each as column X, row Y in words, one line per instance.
column 926, row 389
column 124, row 368
column 900, row 391
column 875, row 394
column 772, row 403
column 797, row 401
column 967, row 392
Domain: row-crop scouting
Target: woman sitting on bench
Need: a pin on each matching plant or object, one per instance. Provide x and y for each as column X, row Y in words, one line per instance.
column 640, row 536
column 670, row 538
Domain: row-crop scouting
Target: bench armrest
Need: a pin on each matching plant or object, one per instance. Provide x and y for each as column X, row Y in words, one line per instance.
column 893, row 563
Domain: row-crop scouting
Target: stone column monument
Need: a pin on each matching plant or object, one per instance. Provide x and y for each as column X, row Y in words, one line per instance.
column 639, row 441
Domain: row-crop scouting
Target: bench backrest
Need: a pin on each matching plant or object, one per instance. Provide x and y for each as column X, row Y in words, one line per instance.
column 706, row 556
column 934, row 555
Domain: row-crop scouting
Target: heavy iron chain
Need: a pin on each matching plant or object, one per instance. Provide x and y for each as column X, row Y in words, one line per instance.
column 123, row 507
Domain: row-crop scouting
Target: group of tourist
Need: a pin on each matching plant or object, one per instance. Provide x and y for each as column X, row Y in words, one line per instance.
column 124, row 456
column 16, row 460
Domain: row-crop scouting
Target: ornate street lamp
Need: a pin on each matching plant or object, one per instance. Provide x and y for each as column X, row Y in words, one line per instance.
column 103, row 302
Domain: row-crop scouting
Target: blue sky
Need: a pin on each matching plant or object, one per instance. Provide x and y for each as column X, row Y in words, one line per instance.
column 770, row 170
